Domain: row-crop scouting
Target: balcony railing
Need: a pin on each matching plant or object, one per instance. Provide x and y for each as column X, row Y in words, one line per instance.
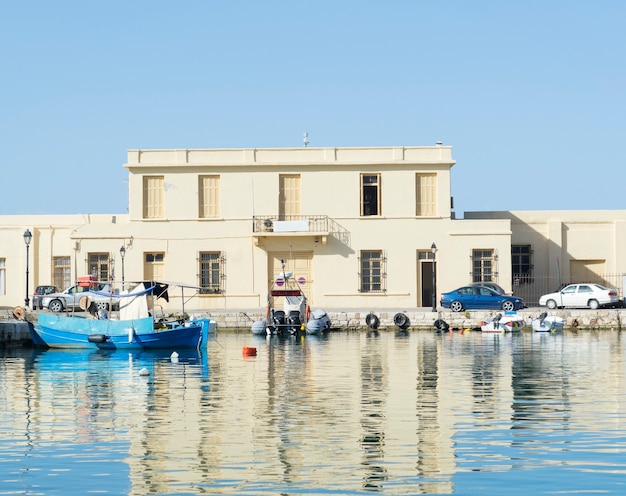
column 313, row 224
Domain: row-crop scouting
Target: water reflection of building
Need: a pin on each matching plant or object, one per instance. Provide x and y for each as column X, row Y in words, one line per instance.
column 352, row 411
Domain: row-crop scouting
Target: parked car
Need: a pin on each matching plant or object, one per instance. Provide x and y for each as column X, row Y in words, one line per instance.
column 41, row 291
column 70, row 298
column 479, row 297
column 492, row 285
column 582, row 295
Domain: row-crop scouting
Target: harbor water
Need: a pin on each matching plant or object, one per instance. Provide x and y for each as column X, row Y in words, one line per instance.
column 388, row 412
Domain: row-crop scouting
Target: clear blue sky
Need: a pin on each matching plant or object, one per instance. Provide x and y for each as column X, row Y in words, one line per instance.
column 530, row 94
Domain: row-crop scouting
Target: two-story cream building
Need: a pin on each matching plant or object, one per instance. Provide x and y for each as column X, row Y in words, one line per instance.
column 363, row 228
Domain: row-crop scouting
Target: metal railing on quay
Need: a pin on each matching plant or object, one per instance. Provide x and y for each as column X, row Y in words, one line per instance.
column 532, row 288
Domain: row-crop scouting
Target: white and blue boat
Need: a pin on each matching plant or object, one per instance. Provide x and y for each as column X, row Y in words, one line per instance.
column 548, row 323
column 135, row 328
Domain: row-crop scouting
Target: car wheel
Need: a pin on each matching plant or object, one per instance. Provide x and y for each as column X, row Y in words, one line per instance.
column 551, row 304
column 456, row 306
column 508, row 306
column 55, row 306
column 593, row 304
column 103, row 305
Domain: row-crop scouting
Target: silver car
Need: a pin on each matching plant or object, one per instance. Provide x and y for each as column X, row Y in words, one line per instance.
column 70, row 299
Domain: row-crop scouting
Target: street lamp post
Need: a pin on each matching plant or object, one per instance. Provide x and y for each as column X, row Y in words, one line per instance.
column 28, row 236
column 433, row 249
column 122, row 255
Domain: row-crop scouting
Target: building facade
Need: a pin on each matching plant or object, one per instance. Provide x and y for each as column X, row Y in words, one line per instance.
column 359, row 227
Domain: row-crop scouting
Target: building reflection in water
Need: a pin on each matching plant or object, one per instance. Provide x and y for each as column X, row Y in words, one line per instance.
column 382, row 412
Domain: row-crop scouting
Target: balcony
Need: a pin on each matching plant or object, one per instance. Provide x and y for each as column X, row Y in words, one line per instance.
column 311, row 226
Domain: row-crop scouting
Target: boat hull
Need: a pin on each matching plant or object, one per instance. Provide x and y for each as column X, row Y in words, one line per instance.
column 60, row 331
column 508, row 323
column 313, row 326
column 548, row 324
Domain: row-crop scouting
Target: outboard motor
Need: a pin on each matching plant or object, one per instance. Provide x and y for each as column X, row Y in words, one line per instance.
column 279, row 317
column 294, row 317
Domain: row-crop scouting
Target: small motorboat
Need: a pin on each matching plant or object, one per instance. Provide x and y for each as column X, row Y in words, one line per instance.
column 295, row 316
column 511, row 321
column 545, row 323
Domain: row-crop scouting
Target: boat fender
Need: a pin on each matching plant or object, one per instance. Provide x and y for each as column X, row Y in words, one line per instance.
column 401, row 320
column 18, row 313
column 372, row 321
column 308, row 312
column 97, row 338
column 84, row 302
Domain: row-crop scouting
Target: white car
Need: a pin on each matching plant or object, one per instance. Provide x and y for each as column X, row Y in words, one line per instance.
column 586, row 295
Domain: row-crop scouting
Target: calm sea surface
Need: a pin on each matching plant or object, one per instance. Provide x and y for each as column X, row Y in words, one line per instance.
column 348, row 413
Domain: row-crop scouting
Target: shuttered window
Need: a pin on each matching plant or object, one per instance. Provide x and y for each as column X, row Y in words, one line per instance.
column 426, row 194
column 153, row 187
column 209, row 197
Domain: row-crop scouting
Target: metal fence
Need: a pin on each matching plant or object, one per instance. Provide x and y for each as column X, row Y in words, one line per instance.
column 531, row 288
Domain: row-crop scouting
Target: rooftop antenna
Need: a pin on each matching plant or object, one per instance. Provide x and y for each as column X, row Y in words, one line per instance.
column 305, row 139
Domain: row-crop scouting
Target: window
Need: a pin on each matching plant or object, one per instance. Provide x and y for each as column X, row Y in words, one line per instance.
column 289, row 197
column 154, row 266
column 373, row 275
column 426, row 194
column 3, row 276
column 61, row 272
column 209, row 197
column 521, row 260
column 483, row 266
column 370, row 194
column 99, row 265
column 211, row 272
column 153, row 187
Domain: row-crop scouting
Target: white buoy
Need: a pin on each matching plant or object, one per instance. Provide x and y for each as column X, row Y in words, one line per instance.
column 144, row 371
column 174, row 357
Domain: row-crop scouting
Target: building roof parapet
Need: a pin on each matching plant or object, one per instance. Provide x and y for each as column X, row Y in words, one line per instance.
column 441, row 155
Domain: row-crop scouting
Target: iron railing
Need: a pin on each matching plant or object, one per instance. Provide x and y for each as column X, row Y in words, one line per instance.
column 314, row 223
column 531, row 288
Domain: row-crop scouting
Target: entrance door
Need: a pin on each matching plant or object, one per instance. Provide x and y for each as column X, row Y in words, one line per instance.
column 298, row 262
column 425, row 279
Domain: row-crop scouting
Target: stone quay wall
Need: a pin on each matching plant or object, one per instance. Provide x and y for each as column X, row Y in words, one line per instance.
column 16, row 332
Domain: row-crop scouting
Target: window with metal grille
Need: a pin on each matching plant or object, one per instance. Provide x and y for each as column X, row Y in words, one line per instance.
column 521, row 264
column 61, row 272
column 211, row 278
column 483, row 266
column 370, row 194
column 99, row 265
column 373, row 275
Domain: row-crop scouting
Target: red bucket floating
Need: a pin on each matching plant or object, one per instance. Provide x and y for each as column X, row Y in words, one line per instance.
column 249, row 351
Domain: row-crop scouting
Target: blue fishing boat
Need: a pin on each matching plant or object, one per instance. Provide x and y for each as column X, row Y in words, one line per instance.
column 135, row 328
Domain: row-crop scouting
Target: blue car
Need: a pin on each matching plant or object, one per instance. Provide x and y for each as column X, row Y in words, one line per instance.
column 479, row 298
